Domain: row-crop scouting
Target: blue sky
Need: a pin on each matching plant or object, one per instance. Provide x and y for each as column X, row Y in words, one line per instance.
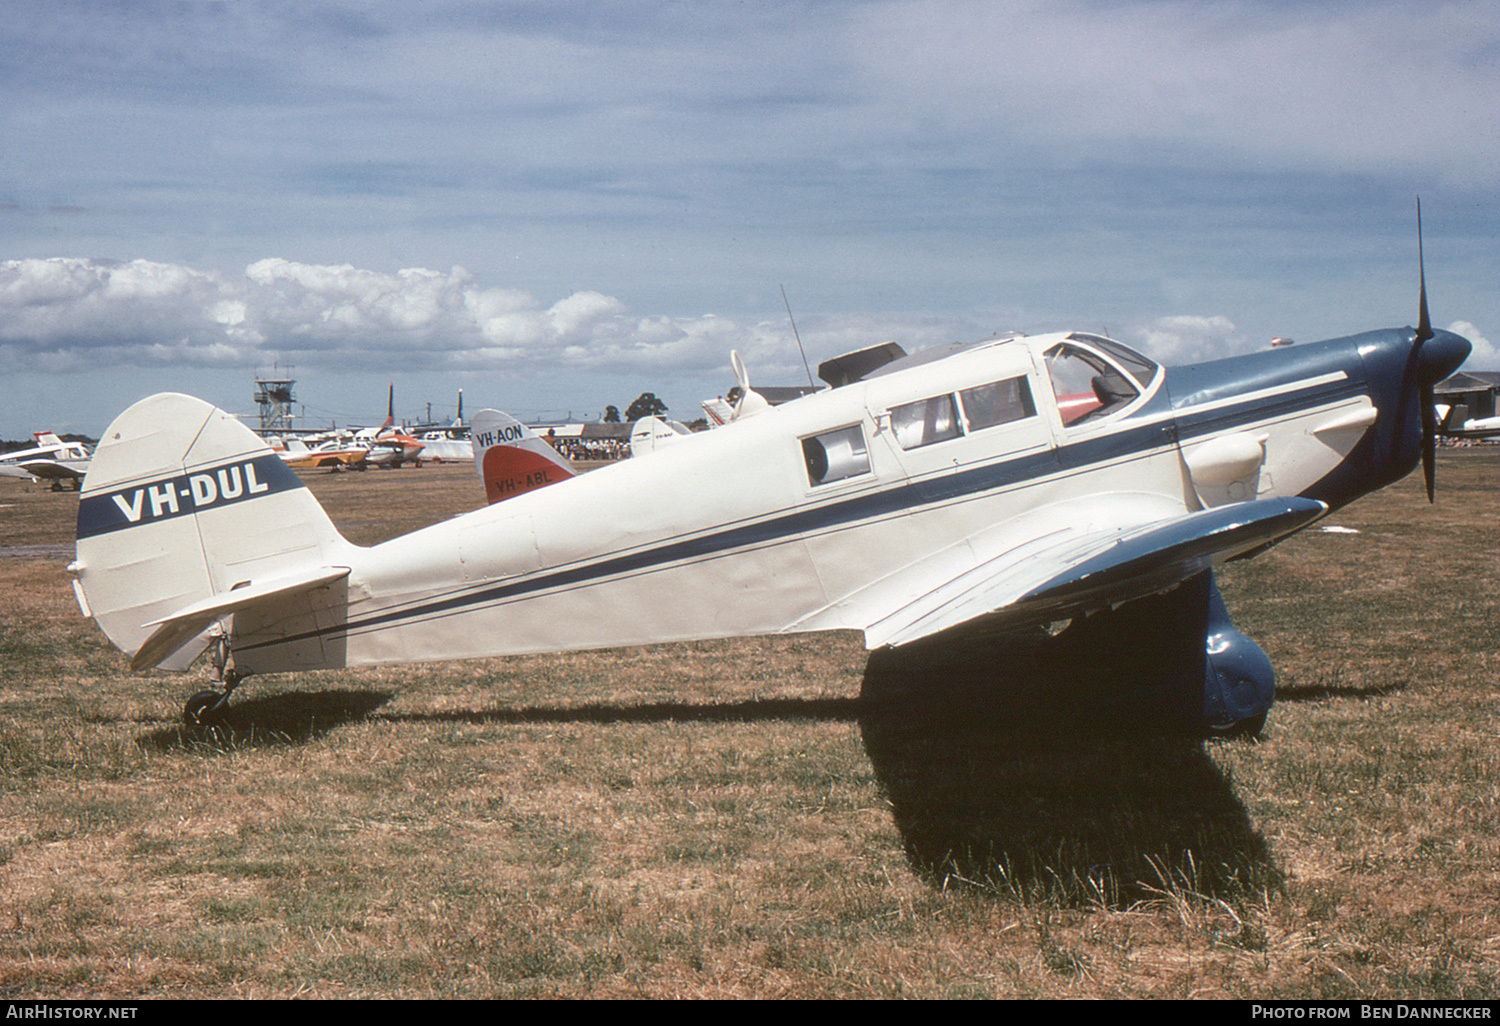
column 558, row 206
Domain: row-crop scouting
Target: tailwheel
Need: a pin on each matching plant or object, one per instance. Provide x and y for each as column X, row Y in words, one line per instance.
column 208, row 708
column 205, row 709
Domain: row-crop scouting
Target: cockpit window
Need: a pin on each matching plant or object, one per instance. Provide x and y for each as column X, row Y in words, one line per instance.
column 1136, row 365
column 1087, row 386
column 925, row 421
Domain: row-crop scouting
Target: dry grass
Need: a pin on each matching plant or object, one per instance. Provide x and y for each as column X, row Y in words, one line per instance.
column 765, row 817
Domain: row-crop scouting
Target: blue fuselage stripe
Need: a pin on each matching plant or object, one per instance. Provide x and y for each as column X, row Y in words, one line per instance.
column 1191, row 424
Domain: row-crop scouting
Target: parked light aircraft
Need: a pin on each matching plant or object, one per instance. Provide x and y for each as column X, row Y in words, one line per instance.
column 51, row 459
column 448, row 444
column 333, row 453
column 998, row 487
column 388, row 445
column 1455, row 422
column 652, row 433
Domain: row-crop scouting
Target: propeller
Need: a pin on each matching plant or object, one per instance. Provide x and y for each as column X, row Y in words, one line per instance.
column 750, row 401
column 741, row 375
column 1424, row 386
column 1431, row 355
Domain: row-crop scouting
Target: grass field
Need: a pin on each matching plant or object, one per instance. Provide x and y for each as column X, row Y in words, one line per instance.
column 766, row 817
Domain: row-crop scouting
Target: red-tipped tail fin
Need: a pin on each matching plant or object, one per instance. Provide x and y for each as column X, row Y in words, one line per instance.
column 511, row 458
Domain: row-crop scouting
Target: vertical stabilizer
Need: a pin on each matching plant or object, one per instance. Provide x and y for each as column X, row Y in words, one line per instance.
column 511, row 458
column 183, row 503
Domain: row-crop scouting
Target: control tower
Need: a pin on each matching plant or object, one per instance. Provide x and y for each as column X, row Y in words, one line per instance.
column 275, row 399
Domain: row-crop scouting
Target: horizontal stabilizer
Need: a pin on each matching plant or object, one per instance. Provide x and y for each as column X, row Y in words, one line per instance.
column 174, row 631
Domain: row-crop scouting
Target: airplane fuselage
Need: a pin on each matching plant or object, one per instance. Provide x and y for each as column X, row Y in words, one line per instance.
column 822, row 513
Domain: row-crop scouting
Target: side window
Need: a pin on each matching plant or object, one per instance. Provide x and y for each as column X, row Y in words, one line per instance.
column 999, row 402
column 835, row 455
column 925, row 421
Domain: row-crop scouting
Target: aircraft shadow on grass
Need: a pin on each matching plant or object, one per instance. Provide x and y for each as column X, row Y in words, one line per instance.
column 1325, row 692
column 304, row 716
column 752, row 711
column 276, row 719
column 1010, row 769
column 1004, row 768
column 295, row 718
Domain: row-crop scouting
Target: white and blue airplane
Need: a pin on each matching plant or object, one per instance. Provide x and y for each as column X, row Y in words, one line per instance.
column 998, row 487
column 51, row 459
column 1455, row 422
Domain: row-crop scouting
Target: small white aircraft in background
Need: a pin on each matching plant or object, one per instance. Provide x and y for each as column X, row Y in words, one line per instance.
column 999, row 486
column 51, row 459
column 448, row 444
column 1455, row 422
column 652, row 433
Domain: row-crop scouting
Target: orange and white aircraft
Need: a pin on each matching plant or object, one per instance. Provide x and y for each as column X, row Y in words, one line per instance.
column 388, row 445
column 332, row 454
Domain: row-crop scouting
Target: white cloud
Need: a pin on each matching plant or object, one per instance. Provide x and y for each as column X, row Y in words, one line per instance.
column 63, row 315
column 69, row 314
column 72, row 314
column 28, row 283
column 579, row 313
column 1188, row 338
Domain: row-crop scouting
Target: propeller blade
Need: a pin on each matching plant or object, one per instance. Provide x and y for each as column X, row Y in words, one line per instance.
column 1424, row 387
column 1429, row 441
column 1424, row 323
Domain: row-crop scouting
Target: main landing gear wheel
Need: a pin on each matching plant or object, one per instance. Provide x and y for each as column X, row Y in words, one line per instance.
column 205, row 709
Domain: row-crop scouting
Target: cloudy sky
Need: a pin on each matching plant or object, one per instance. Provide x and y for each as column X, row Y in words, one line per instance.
column 559, row 205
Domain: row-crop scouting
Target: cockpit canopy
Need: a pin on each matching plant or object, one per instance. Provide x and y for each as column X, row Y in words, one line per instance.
column 1092, row 375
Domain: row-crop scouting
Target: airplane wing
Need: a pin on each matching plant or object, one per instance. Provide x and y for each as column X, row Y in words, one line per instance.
column 1491, row 431
column 1013, row 579
column 51, row 470
column 1454, row 422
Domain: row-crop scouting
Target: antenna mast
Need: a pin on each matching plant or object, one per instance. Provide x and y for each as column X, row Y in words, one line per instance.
column 797, row 336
